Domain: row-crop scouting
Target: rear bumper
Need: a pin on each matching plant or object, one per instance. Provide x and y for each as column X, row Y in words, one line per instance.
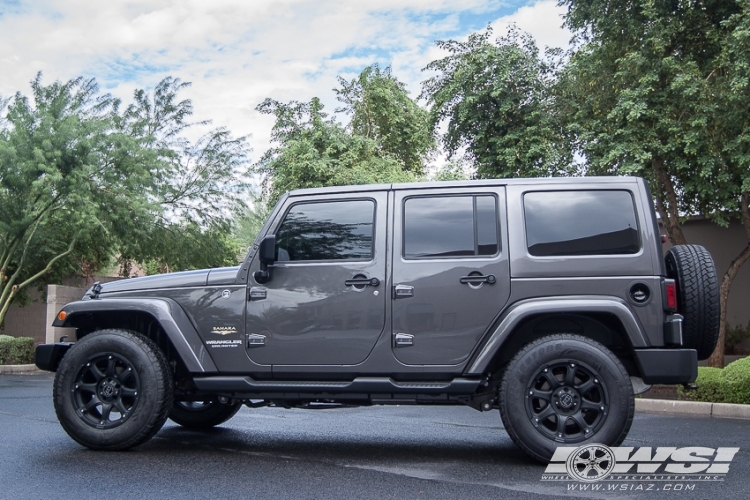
column 47, row 356
column 667, row 366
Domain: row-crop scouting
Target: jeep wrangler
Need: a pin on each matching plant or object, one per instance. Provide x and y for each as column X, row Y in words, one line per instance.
column 548, row 299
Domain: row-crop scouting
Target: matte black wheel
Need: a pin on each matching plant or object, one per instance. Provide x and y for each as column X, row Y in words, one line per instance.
column 692, row 267
column 112, row 390
column 565, row 390
column 202, row 414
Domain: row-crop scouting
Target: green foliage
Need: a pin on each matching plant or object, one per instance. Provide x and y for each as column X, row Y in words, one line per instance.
column 313, row 150
column 710, row 387
column 736, row 335
column 382, row 110
column 736, row 382
column 81, row 181
column 498, row 103
column 716, row 385
column 16, row 351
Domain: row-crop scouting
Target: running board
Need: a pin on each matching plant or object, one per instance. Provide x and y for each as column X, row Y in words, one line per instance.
column 366, row 385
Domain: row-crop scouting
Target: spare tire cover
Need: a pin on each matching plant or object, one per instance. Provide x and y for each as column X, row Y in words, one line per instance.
column 692, row 267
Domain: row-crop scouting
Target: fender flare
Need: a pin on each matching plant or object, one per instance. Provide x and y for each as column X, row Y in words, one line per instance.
column 519, row 311
column 167, row 312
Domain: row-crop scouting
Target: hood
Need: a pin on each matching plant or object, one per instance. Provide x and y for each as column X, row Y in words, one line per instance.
column 220, row 276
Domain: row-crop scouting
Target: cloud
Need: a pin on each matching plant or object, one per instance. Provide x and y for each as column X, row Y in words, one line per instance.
column 237, row 52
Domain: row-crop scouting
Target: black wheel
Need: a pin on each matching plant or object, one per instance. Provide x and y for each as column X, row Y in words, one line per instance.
column 565, row 390
column 202, row 414
column 113, row 390
column 692, row 267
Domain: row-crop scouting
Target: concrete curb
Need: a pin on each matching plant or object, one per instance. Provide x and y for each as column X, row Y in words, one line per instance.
column 692, row 408
column 20, row 369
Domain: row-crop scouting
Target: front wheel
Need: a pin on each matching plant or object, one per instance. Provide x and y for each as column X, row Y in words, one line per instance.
column 565, row 390
column 202, row 415
column 112, row 390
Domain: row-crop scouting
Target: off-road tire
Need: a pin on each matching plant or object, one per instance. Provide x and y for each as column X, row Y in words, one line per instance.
column 595, row 371
column 692, row 267
column 202, row 415
column 111, row 373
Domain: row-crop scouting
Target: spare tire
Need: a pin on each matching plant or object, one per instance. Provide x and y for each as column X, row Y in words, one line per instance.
column 692, row 268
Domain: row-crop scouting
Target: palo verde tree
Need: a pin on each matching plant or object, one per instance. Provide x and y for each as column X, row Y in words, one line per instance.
column 81, row 181
column 655, row 89
column 497, row 102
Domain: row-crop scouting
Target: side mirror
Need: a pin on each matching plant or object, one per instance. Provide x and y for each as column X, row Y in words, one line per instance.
column 266, row 255
column 267, row 250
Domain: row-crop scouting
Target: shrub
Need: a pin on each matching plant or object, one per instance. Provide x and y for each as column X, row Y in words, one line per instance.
column 710, row 386
column 736, row 382
column 735, row 335
column 16, row 351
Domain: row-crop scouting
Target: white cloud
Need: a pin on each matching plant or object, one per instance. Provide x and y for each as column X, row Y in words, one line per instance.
column 237, row 52
column 543, row 20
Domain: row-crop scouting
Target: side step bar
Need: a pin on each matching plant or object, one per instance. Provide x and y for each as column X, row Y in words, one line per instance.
column 367, row 385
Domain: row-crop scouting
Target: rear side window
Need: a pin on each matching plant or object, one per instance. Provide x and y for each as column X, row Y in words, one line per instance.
column 335, row 230
column 580, row 223
column 450, row 226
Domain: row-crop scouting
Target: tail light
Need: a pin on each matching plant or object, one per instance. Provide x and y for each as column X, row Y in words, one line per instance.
column 670, row 295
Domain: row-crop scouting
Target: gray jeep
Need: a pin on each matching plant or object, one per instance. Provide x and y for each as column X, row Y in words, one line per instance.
column 548, row 299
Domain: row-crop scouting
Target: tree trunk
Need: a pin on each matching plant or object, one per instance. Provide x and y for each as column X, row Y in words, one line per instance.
column 667, row 205
column 717, row 358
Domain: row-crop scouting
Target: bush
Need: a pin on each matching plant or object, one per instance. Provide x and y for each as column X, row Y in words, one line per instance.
column 16, row 351
column 736, row 335
column 710, row 387
column 736, row 382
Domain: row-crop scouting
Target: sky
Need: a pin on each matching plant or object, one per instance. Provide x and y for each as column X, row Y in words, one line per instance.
column 236, row 53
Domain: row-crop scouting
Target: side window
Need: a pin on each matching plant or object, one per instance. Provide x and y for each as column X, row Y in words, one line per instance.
column 580, row 223
column 334, row 230
column 450, row 226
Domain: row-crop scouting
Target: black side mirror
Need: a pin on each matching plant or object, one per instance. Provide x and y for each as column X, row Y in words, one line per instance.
column 266, row 255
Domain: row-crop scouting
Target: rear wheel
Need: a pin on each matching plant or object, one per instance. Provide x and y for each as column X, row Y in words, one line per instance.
column 201, row 415
column 565, row 390
column 692, row 268
column 112, row 390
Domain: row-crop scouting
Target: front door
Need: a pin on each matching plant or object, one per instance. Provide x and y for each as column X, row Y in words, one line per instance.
column 450, row 272
column 325, row 301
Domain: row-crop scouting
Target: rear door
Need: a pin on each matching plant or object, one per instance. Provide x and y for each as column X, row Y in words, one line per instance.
column 450, row 271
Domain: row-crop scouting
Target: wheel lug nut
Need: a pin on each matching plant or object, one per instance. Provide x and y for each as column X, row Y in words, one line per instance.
column 596, row 380
column 546, row 370
column 572, row 365
column 601, row 408
column 531, row 393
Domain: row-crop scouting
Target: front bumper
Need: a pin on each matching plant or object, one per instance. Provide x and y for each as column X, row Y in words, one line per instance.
column 47, row 356
column 667, row 366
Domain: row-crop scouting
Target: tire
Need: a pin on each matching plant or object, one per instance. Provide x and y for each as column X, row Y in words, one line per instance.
column 113, row 390
column 202, row 415
column 692, row 267
column 565, row 390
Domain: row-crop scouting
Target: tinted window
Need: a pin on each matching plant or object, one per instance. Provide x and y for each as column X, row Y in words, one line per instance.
column 580, row 223
column 450, row 226
column 337, row 230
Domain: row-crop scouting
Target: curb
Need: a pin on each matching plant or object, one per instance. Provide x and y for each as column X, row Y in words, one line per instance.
column 692, row 408
column 20, row 369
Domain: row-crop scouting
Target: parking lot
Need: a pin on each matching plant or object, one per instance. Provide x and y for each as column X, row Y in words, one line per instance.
column 371, row 452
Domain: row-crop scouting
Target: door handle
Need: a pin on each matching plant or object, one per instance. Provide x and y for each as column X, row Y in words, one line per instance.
column 362, row 282
column 478, row 279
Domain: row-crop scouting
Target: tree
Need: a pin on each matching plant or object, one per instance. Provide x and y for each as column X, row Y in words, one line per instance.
column 498, row 104
column 79, row 181
column 313, row 150
column 648, row 92
column 382, row 110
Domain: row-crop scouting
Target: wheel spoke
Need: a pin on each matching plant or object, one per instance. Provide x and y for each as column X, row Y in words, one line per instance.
column 545, row 395
column 106, row 410
column 546, row 412
column 586, row 386
column 93, row 402
column 120, row 408
column 86, row 387
column 128, row 392
column 111, row 366
column 590, row 405
column 570, row 376
column 98, row 374
column 561, row 421
column 578, row 418
column 552, row 380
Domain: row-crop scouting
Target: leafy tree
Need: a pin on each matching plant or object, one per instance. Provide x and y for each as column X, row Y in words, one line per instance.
column 657, row 89
column 382, row 110
column 80, row 181
column 313, row 150
column 498, row 103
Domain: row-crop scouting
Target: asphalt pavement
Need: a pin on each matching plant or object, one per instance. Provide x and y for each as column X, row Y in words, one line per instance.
column 370, row 452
